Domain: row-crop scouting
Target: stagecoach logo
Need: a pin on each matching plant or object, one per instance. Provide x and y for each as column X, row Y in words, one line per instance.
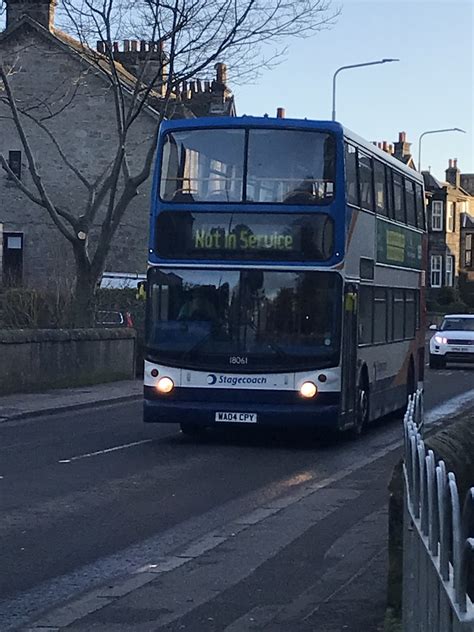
column 235, row 380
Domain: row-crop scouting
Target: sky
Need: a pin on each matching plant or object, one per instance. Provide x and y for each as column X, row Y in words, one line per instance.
column 432, row 87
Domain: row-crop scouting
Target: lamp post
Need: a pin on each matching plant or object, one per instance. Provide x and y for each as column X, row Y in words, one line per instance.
column 368, row 63
column 435, row 131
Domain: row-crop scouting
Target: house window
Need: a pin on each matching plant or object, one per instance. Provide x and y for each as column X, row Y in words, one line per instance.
column 449, row 272
column 468, row 251
column 14, row 162
column 12, row 264
column 450, row 218
column 437, row 215
column 436, row 270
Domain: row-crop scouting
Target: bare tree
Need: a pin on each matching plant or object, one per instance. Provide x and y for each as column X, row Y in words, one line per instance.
column 191, row 36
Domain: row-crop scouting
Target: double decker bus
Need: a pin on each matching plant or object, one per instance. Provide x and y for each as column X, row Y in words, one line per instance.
column 285, row 281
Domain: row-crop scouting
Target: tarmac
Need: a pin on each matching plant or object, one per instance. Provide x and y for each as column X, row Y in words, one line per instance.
column 360, row 603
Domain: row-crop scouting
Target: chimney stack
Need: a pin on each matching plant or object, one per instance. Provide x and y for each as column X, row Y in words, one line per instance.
column 281, row 113
column 221, row 73
column 402, row 149
column 42, row 11
column 453, row 174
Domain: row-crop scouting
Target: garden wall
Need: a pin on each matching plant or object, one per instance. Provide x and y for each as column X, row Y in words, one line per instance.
column 34, row 360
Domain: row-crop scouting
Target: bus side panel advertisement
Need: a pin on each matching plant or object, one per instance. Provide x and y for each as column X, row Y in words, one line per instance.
column 398, row 246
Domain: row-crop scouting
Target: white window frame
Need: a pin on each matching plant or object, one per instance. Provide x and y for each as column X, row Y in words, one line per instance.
column 436, row 270
column 449, row 271
column 450, row 217
column 468, row 251
column 437, row 214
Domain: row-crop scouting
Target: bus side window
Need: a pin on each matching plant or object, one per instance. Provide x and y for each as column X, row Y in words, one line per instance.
column 410, row 202
column 389, row 315
column 398, row 198
column 420, row 206
column 380, row 314
column 365, row 182
column 398, row 315
column 410, row 314
column 366, row 310
column 380, row 188
column 389, row 196
column 352, row 187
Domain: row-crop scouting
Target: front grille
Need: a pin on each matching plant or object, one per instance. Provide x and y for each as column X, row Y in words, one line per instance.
column 464, row 343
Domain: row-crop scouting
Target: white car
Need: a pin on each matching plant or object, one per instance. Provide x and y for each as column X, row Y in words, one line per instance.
column 453, row 341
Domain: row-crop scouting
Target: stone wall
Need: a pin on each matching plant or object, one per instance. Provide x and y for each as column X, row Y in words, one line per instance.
column 86, row 131
column 34, row 360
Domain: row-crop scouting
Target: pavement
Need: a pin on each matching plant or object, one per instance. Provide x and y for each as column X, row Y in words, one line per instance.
column 23, row 405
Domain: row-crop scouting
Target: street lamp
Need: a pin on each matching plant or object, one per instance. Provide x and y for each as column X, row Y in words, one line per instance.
column 435, row 131
column 368, row 63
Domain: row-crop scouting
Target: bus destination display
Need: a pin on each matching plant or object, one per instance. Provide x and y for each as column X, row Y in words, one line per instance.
column 280, row 236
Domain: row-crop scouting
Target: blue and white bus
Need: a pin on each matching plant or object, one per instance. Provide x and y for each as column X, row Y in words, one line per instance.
column 285, row 281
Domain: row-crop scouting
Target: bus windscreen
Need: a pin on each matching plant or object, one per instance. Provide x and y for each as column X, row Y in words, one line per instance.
column 274, row 320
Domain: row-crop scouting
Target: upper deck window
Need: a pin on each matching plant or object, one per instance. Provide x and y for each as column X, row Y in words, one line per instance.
column 203, row 166
column 290, row 166
column 283, row 166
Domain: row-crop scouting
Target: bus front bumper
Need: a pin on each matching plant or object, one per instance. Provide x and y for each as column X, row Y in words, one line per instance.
column 271, row 407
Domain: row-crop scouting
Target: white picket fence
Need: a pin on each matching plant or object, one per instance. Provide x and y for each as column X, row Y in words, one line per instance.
column 438, row 539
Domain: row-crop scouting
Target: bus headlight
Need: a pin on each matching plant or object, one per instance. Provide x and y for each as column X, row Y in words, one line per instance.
column 308, row 390
column 165, row 385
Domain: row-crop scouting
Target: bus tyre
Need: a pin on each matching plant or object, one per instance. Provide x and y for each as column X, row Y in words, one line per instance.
column 437, row 362
column 362, row 408
column 192, row 430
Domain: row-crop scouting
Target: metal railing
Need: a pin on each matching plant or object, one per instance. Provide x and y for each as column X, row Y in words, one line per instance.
column 438, row 538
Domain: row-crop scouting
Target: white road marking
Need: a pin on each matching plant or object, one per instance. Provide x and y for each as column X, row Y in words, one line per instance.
column 114, row 449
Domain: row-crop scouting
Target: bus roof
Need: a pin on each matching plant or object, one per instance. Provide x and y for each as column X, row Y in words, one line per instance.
column 262, row 121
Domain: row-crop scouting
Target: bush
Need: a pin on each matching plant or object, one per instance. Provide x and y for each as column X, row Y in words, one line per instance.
column 24, row 308
column 446, row 295
column 466, row 289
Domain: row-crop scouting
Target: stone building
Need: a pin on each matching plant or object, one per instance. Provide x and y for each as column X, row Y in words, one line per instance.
column 51, row 70
column 450, row 212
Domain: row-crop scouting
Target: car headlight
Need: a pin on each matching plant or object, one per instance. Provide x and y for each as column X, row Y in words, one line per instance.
column 440, row 340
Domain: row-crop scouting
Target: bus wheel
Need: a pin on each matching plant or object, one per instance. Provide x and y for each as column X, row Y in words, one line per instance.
column 362, row 409
column 192, row 430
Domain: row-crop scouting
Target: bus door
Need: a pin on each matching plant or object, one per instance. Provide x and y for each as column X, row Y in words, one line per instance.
column 349, row 353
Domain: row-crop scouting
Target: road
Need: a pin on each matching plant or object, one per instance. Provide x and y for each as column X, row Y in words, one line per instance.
column 93, row 495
